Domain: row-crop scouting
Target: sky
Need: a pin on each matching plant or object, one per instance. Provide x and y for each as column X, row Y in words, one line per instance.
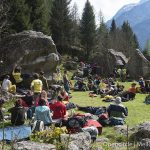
column 108, row 7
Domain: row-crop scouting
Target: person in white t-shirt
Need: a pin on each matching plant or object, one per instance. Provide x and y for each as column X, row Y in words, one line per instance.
column 7, row 85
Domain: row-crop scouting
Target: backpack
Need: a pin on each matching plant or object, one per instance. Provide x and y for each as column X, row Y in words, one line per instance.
column 75, row 124
column 38, row 125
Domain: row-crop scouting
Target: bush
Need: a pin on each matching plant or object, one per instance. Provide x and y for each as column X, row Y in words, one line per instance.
column 52, row 135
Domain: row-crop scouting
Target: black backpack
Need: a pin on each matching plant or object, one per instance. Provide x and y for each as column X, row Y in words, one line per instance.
column 76, row 122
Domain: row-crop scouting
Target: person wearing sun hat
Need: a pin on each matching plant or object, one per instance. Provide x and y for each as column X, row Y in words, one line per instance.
column 117, row 109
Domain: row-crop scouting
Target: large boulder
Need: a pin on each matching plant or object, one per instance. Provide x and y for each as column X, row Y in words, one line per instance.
column 108, row 60
column 77, row 141
column 138, row 65
column 31, row 50
column 28, row 145
column 144, row 144
column 142, row 132
column 71, row 65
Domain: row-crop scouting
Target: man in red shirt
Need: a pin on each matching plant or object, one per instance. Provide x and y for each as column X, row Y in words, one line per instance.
column 58, row 109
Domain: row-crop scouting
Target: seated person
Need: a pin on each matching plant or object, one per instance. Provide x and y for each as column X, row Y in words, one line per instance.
column 17, row 114
column 63, row 95
column 130, row 93
column 42, row 113
column 142, row 84
column 119, row 88
column 58, row 109
column 109, row 90
column 97, row 81
column 102, row 86
column 90, row 85
column 117, row 109
column 80, row 85
column 7, row 85
column 43, row 95
column 147, row 86
column 27, row 101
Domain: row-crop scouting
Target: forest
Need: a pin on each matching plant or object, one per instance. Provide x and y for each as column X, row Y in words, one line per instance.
column 72, row 34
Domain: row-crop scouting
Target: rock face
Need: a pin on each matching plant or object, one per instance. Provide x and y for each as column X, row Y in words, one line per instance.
column 110, row 59
column 27, row 145
column 31, row 50
column 138, row 65
column 77, row 141
column 70, row 65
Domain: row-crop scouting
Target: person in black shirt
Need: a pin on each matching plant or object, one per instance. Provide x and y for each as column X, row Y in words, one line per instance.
column 17, row 114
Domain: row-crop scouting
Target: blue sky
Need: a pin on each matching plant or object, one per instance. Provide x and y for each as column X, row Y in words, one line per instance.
column 108, row 7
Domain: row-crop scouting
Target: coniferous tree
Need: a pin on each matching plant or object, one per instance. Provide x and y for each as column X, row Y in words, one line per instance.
column 18, row 16
column 39, row 15
column 61, row 24
column 114, row 32
column 75, row 31
column 102, row 35
column 113, row 27
column 130, row 40
column 88, row 29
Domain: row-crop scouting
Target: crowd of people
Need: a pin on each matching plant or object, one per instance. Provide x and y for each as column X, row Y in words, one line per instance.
column 50, row 103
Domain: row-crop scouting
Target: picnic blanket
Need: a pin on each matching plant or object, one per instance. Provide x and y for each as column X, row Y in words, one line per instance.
column 15, row 133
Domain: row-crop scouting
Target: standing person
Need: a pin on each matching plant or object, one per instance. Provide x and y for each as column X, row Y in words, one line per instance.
column 17, row 76
column 66, row 82
column 124, row 74
column 36, row 86
column 7, row 85
column 44, row 81
column 59, row 76
column 115, row 73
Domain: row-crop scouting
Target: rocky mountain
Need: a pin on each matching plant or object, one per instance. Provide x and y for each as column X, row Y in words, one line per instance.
column 138, row 15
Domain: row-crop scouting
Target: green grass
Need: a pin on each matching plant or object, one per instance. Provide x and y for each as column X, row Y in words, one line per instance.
column 138, row 111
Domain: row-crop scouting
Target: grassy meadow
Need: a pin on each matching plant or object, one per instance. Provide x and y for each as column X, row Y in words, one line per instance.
column 138, row 112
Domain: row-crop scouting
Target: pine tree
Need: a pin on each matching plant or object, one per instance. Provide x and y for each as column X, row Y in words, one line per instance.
column 75, row 31
column 88, row 29
column 113, row 27
column 114, row 32
column 61, row 24
column 39, row 15
column 19, row 16
column 102, row 35
column 130, row 40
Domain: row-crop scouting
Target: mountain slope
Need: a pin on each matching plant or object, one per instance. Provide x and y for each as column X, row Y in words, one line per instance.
column 138, row 15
